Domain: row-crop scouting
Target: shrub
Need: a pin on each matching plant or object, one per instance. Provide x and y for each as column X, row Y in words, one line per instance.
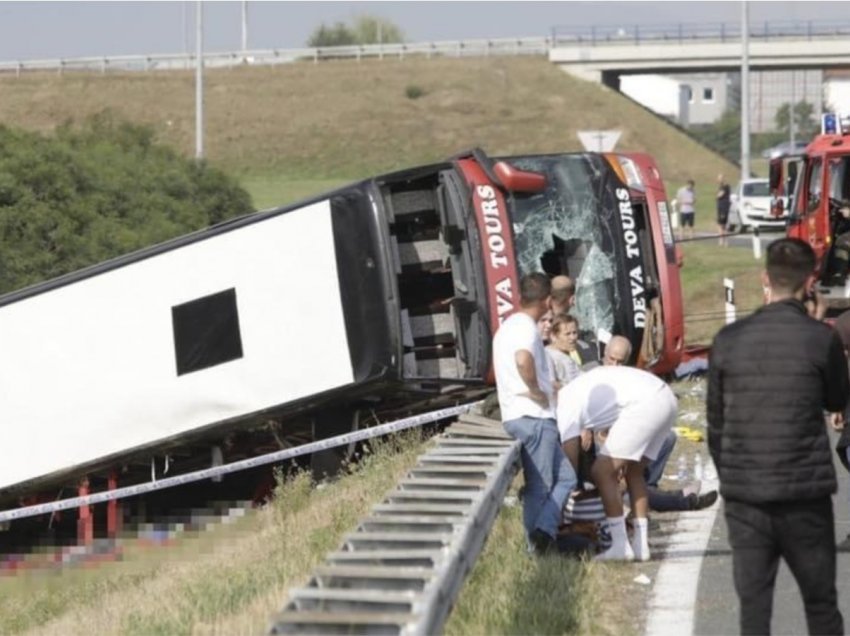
column 414, row 92
column 93, row 192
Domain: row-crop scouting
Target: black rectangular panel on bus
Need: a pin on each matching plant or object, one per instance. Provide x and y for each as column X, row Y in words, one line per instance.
column 360, row 260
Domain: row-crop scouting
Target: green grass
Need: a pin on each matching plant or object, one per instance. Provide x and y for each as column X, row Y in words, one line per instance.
column 270, row 191
column 705, row 266
column 509, row 592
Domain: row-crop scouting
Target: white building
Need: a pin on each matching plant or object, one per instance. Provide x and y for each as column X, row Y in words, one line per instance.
column 702, row 98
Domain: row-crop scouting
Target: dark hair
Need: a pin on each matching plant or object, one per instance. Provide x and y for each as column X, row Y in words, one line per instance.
column 533, row 288
column 790, row 262
column 562, row 319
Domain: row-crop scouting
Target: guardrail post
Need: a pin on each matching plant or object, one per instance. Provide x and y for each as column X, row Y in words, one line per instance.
column 459, row 46
column 18, row 68
column 103, row 64
column 61, row 67
column 756, row 244
column 729, row 289
column 315, row 56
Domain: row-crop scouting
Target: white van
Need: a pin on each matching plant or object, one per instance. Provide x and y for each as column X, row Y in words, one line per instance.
column 751, row 206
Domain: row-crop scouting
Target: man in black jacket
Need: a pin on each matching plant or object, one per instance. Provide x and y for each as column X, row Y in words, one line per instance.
column 771, row 376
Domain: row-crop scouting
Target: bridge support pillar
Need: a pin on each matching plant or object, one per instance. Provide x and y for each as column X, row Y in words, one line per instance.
column 611, row 79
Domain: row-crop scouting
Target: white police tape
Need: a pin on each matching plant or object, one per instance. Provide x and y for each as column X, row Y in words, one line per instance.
column 251, row 462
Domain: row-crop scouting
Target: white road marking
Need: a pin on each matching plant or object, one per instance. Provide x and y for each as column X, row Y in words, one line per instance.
column 671, row 610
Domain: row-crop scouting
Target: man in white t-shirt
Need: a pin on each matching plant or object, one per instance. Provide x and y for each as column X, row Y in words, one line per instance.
column 686, row 200
column 638, row 410
column 526, row 400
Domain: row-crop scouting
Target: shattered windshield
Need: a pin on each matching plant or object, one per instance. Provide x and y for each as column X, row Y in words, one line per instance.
column 565, row 229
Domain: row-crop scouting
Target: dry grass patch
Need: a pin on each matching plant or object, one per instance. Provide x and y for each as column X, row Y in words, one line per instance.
column 348, row 120
column 236, row 576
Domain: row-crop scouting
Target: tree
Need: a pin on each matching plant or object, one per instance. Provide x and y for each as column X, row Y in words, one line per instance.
column 365, row 30
column 372, row 30
column 723, row 136
column 805, row 126
column 90, row 193
column 336, row 35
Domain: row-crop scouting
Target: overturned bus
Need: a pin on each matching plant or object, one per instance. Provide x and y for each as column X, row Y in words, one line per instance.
column 378, row 298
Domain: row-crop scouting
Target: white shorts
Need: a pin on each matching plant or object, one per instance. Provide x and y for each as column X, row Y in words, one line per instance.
column 641, row 429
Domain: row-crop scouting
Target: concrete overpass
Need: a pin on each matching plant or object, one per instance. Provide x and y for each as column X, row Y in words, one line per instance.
column 603, row 56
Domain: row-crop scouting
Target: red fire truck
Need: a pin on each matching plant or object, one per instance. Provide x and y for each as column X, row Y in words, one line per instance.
column 816, row 185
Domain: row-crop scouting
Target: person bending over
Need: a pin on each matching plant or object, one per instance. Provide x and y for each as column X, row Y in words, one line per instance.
column 639, row 410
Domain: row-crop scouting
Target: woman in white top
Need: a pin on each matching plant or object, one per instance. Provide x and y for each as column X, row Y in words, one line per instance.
column 565, row 360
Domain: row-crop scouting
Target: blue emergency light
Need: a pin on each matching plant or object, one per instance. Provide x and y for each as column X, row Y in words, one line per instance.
column 829, row 124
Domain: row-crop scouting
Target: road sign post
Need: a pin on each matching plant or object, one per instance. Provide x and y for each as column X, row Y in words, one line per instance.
column 599, row 140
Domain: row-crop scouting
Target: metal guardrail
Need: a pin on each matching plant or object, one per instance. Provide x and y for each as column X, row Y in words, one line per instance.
column 178, row 61
column 685, row 32
column 400, row 571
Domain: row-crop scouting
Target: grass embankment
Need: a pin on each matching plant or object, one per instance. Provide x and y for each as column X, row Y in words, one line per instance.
column 338, row 121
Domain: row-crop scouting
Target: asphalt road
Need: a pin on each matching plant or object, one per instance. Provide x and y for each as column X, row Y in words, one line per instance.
column 716, row 608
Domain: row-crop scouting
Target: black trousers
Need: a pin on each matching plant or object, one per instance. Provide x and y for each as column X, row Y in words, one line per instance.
column 802, row 533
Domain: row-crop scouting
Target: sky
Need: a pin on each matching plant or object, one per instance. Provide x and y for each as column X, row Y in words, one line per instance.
column 49, row 30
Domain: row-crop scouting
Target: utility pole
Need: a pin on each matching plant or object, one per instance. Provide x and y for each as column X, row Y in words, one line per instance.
column 791, row 111
column 199, row 80
column 745, row 91
column 244, row 26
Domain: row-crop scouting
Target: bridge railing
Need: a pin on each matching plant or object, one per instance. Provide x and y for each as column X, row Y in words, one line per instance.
column 684, row 32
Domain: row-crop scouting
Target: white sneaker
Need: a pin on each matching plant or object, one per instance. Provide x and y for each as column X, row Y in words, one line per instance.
column 640, row 552
column 615, row 553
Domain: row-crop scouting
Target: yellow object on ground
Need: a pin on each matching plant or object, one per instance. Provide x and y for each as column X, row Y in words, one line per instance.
column 689, row 432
